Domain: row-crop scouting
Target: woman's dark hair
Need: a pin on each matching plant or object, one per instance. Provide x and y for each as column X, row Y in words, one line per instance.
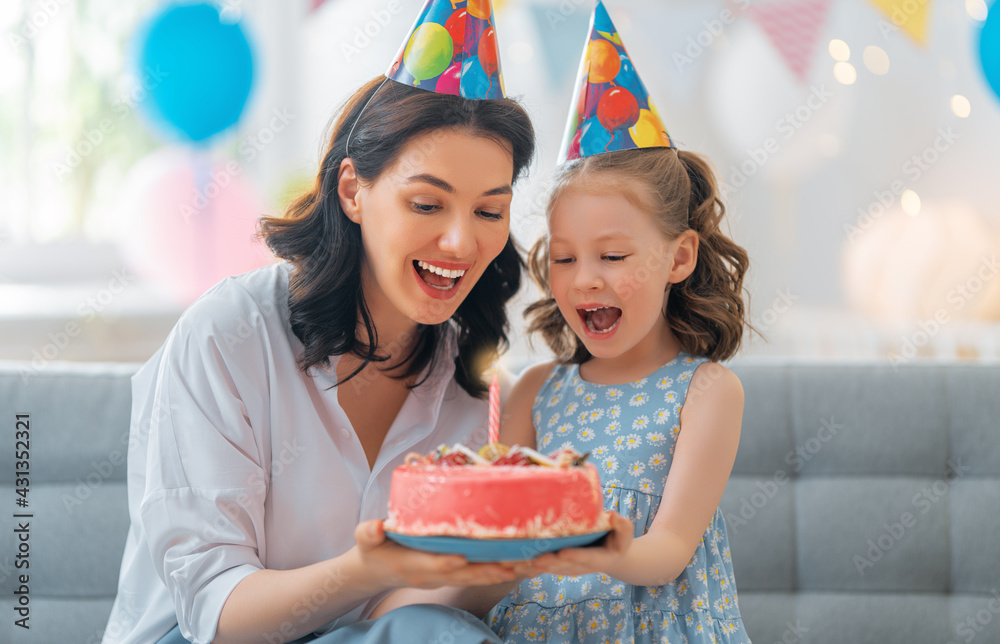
column 325, row 247
column 706, row 310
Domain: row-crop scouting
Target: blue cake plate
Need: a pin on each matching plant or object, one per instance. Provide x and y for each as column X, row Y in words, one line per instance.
column 494, row 549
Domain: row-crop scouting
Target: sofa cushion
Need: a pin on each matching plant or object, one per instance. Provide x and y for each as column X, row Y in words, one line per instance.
column 79, row 419
column 975, row 535
column 766, row 444
column 760, row 521
column 974, row 410
column 862, row 617
column 869, row 420
column 868, row 534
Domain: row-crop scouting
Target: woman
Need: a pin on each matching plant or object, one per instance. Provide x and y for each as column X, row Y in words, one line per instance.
column 267, row 426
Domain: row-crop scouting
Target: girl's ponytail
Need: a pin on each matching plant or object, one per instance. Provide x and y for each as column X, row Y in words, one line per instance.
column 706, row 311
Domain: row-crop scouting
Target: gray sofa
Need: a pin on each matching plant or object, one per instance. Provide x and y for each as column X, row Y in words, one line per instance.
column 864, row 505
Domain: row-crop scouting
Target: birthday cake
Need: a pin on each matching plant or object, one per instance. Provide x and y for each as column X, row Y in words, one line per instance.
column 497, row 493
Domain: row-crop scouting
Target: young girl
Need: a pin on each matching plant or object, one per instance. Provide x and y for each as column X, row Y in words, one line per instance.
column 644, row 296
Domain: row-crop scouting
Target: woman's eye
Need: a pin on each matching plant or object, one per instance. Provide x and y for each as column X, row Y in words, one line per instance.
column 614, row 258
column 486, row 214
column 425, row 208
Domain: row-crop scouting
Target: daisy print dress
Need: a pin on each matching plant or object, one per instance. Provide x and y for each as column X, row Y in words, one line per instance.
column 630, row 431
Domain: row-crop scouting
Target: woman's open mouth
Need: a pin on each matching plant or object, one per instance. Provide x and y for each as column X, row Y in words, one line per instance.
column 438, row 281
column 600, row 320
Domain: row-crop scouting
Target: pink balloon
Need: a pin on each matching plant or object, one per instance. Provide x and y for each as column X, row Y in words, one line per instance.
column 574, row 146
column 450, row 80
column 190, row 221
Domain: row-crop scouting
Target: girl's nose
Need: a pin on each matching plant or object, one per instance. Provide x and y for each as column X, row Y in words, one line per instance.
column 587, row 277
column 458, row 238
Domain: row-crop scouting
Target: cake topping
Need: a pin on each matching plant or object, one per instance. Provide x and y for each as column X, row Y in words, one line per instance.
column 496, row 454
column 492, row 451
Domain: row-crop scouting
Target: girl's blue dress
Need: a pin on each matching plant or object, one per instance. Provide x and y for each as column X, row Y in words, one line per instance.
column 630, row 431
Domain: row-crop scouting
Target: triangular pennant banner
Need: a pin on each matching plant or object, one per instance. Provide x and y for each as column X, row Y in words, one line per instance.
column 794, row 27
column 908, row 15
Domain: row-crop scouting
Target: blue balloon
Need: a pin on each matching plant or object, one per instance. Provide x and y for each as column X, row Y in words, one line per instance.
column 989, row 47
column 203, row 67
column 476, row 83
column 595, row 138
column 622, row 140
column 629, row 79
column 437, row 12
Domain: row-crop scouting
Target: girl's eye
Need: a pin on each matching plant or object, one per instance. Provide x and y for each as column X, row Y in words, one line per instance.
column 425, row 208
column 562, row 260
column 614, row 258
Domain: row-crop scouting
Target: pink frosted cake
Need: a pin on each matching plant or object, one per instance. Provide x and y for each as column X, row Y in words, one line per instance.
column 496, row 494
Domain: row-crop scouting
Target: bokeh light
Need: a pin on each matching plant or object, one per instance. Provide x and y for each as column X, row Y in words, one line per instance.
column 876, row 60
column 845, row 73
column 839, row 50
column 960, row 106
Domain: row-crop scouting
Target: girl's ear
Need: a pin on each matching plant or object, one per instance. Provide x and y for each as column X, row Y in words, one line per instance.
column 348, row 188
column 685, row 256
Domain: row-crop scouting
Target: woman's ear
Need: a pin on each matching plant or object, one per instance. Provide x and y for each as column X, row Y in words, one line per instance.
column 685, row 256
column 348, row 188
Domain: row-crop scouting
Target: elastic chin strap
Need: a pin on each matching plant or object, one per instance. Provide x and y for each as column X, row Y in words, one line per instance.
column 347, row 143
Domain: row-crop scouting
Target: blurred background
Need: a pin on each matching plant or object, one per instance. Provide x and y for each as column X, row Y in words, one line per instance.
column 857, row 141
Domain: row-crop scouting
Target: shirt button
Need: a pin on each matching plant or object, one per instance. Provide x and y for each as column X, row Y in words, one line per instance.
column 345, row 431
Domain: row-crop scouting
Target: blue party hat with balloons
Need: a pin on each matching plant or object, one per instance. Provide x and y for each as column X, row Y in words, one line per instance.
column 452, row 49
column 611, row 108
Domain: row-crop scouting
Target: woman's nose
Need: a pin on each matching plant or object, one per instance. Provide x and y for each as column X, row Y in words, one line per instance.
column 458, row 238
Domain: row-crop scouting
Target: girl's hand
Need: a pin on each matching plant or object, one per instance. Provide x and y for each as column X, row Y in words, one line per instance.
column 583, row 561
column 390, row 565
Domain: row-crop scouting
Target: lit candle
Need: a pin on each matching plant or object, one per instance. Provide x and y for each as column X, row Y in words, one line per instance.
column 494, row 421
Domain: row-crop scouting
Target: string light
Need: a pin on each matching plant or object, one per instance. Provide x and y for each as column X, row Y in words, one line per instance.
column 876, row 60
column 960, row 106
column 845, row 73
column 839, row 50
column 976, row 9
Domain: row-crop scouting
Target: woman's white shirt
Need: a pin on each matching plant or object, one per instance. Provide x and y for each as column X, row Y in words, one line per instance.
column 239, row 461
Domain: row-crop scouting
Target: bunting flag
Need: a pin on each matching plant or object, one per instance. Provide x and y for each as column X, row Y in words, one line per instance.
column 908, row 15
column 452, row 48
column 611, row 109
column 793, row 27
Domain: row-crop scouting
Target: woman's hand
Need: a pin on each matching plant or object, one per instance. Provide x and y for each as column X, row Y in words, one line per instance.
column 583, row 561
column 391, row 565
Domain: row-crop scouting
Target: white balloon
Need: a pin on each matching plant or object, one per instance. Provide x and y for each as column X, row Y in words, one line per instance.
column 766, row 115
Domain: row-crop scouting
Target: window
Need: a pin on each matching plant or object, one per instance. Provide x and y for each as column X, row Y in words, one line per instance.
column 68, row 124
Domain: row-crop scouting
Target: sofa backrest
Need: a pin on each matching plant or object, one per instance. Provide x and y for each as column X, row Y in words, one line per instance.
column 865, row 501
column 78, row 444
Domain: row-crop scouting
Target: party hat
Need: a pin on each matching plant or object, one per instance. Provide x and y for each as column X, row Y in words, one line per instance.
column 611, row 108
column 452, row 49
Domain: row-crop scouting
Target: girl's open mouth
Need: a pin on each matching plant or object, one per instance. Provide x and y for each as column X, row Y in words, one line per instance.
column 600, row 320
